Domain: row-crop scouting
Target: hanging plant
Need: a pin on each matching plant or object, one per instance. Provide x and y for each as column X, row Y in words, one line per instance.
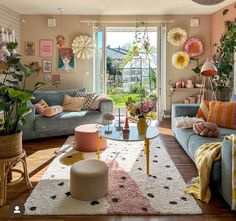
column 177, row 36
column 83, row 46
column 193, row 47
column 180, row 59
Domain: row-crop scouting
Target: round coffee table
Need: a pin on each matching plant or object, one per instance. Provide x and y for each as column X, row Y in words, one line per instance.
column 131, row 136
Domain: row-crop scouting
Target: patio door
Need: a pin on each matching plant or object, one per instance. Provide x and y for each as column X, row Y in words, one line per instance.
column 100, row 60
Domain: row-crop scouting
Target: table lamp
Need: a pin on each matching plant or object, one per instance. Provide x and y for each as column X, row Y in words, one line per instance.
column 108, row 117
column 207, row 71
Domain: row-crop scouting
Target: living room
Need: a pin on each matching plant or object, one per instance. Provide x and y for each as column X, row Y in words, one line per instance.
column 118, row 110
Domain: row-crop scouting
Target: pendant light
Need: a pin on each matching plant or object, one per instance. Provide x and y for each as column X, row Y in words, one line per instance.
column 207, row 2
column 60, row 37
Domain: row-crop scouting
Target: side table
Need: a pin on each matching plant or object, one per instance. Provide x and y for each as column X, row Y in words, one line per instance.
column 6, row 165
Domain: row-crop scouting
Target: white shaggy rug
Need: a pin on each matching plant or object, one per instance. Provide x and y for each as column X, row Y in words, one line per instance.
column 131, row 191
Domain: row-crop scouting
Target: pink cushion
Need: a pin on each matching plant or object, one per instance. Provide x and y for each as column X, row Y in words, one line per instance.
column 206, row 129
column 40, row 106
column 86, row 138
column 52, row 111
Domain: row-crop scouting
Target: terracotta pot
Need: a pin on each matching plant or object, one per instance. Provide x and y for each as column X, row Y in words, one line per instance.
column 10, row 145
column 142, row 125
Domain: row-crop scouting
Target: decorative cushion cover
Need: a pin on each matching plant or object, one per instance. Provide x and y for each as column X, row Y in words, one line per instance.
column 186, row 122
column 203, row 110
column 223, row 114
column 88, row 96
column 206, row 129
column 40, row 106
column 73, row 103
column 52, row 111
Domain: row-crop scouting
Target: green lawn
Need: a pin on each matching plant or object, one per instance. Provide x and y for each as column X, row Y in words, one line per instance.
column 120, row 99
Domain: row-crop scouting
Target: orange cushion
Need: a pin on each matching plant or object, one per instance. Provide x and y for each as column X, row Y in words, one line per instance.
column 223, row 114
column 203, row 110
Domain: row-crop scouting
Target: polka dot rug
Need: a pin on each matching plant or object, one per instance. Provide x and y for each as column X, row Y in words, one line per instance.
column 131, row 190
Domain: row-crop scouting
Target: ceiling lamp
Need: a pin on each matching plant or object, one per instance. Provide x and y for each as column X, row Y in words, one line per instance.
column 208, row 2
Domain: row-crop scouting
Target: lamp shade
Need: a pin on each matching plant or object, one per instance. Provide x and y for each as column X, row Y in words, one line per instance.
column 208, row 69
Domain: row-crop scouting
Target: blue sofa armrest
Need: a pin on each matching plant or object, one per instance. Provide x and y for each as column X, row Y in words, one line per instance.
column 28, row 128
column 179, row 110
column 226, row 171
column 106, row 106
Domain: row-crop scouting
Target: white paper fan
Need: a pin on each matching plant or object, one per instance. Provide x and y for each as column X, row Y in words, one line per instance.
column 83, row 46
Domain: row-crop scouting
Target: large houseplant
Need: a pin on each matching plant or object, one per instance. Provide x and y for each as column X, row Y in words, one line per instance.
column 224, row 59
column 13, row 99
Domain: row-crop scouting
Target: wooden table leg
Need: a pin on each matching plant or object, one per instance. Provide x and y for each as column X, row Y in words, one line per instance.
column 147, row 144
column 99, row 146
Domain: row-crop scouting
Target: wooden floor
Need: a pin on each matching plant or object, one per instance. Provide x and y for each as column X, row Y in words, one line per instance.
column 41, row 153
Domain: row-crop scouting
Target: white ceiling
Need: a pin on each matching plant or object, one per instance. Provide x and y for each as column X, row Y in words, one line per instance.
column 112, row 7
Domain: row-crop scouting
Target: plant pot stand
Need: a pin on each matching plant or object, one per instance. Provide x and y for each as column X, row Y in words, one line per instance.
column 6, row 167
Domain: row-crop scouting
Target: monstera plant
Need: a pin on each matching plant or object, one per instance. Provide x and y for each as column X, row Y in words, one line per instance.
column 13, row 98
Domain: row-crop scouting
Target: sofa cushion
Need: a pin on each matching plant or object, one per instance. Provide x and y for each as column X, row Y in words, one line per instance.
column 223, row 114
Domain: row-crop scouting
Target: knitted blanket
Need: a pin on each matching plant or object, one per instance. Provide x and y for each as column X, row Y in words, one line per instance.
column 204, row 158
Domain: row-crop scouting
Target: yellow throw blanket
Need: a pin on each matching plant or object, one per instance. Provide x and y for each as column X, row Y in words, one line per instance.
column 204, row 158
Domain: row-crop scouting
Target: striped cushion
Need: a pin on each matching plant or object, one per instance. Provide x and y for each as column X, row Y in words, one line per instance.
column 203, row 110
column 223, row 114
column 40, row 106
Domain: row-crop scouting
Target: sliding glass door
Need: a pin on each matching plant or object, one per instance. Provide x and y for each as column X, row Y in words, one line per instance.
column 100, row 61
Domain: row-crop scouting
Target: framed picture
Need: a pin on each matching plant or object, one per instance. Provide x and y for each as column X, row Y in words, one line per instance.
column 65, row 60
column 29, row 48
column 46, row 48
column 56, row 78
column 47, row 65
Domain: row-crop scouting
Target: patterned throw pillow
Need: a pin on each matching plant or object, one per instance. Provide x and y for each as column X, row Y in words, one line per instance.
column 88, row 96
column 203, row 110
column 73, row 103
column 40, row 106
column 223, row 114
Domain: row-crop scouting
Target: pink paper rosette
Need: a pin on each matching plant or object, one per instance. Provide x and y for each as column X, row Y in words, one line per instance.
column 193, row 47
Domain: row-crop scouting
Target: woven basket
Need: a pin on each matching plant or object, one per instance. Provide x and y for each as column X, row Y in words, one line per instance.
column 10, row 145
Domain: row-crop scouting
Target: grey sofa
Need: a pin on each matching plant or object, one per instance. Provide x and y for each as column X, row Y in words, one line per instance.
column 38, row 126
column 221, row 174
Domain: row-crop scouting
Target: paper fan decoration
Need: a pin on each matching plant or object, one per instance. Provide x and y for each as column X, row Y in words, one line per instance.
column 177, row 36
column 193, row 47
column 180, row 59
column 83, row 46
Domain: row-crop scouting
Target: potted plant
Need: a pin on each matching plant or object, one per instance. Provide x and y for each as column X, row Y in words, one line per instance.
column 224, row 60
column 13, row 99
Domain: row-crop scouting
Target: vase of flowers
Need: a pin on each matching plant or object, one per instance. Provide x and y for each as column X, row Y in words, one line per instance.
column 142, row 110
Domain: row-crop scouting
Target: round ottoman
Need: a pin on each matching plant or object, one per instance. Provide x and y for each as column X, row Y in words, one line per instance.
column 86, row 138
column 89, row 180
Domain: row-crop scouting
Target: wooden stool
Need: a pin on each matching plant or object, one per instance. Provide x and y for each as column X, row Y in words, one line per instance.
column 6, row 165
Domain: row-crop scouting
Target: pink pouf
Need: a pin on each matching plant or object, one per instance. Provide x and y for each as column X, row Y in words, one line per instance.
column 86, row 138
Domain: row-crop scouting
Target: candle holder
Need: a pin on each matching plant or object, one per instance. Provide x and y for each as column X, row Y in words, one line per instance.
column 119, row 127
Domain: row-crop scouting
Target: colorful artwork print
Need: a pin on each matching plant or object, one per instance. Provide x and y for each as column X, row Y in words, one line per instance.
column 46, row 48
column 66, row 61
column 47, row 66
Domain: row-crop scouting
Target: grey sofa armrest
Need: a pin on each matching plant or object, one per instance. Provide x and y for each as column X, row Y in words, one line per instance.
column 28, row 128
column 105, row 106
column 179, row 110
column 226, row 171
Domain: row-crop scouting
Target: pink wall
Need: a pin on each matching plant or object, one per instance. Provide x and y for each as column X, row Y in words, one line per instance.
column 217, row 24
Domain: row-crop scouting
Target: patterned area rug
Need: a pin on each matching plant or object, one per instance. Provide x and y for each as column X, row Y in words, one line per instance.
column 131, row 191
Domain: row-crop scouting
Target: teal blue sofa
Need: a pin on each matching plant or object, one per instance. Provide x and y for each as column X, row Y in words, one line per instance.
column 221, row 174
column 38, row 126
